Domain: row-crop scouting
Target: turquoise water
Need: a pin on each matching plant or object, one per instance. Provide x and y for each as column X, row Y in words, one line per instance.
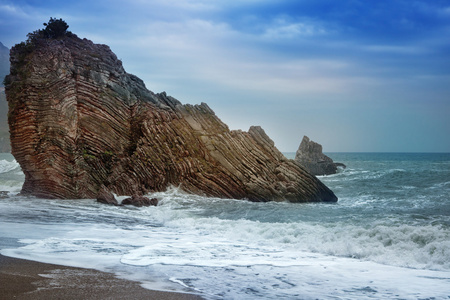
column 388, row 236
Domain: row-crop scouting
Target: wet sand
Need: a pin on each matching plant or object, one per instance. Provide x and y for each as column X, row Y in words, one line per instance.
column 24, row 279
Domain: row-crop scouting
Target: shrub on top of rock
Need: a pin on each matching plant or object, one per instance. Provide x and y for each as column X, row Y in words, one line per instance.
column 55, row 28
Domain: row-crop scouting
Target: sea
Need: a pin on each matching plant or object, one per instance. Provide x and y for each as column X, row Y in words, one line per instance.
column 388, row 236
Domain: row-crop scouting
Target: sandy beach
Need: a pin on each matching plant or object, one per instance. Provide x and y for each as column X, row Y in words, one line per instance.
column 24, row 279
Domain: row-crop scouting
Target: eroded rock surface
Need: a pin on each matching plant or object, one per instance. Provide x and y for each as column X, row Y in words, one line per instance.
column 310, row 156
column 139, row 201
column 79, row 123
column 106, row 197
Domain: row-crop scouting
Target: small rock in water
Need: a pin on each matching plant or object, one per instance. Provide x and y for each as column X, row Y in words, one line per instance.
column 310, row 156
column 139, row 201
column 106, row 197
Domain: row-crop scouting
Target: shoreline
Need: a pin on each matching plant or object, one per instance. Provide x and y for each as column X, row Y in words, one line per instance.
column 26, row 279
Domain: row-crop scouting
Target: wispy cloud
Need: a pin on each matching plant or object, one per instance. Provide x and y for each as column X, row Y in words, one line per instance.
column 188, row 5
column 250, row 58
column 394, row 49
column 283, row 29
column 12, row 10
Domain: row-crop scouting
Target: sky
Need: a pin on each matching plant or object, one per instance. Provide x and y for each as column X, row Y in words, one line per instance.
column 354, row 76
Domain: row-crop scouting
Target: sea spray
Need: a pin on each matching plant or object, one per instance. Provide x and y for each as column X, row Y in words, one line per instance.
column 11, row 176
column 7, row 166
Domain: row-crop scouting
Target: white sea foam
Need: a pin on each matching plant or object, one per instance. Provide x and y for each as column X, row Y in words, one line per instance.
column 254, row 262
column 7, row 166
column 11, row 177
column 425, row 247
column 181, row 234
column 10, row 186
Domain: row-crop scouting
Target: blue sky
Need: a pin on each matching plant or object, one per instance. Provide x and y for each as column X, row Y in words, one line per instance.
column 352, row 75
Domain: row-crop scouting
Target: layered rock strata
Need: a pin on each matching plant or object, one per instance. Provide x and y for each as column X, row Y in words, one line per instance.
column 80, row 124
column 310, row 156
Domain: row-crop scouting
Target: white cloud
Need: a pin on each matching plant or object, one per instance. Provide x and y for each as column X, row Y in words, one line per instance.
column 283, row 29
column 191, row 5
column 214, row 54
column 287, row 78
column 191, row 41
column 396, row 49
column 15, row 11
column 202, row 5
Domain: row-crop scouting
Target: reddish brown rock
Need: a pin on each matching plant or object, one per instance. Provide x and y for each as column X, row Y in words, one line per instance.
column 78, row 122
column 106, row 197
column 139, row 201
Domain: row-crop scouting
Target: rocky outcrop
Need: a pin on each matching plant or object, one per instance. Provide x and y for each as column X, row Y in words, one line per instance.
column 310, row 156
column 79, row 123
column 139, row 201
column 106, row 197
column 4, row 70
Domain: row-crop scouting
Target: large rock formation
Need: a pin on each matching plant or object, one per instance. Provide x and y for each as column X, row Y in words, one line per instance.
column 80, row 123
column 310, row 156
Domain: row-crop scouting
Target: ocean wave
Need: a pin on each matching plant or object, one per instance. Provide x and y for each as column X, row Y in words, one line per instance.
column 8, row 166
column 440, row 185
column 187, row 239
column 10, row 186
column 11, row 176
column 415, row 246
column 389, row 235
column 178, row 232
column 421, row 247
column 215, row 232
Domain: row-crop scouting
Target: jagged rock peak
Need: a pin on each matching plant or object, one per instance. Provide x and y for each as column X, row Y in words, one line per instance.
column 81, row 125
column 310, row 156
